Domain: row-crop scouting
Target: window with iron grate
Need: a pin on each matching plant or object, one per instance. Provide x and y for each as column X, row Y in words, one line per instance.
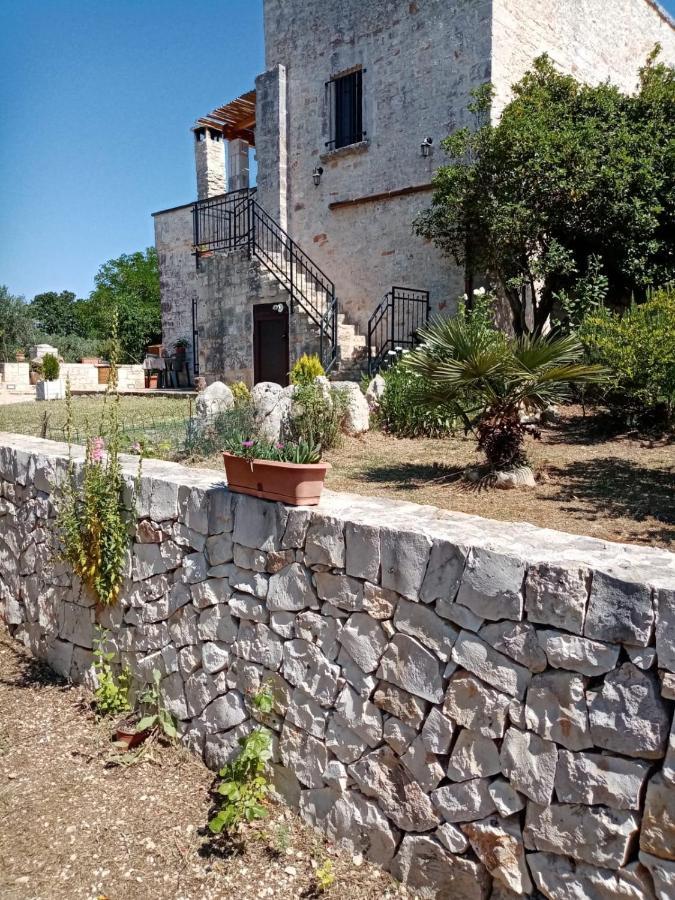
column 345, row 95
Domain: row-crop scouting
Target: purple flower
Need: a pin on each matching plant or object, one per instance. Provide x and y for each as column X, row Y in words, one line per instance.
column 279, row 445
column 97, row 446
column 136, row 447
column 247, row 444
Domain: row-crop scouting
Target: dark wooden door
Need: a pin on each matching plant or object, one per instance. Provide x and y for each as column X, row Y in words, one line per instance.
column 270, row 343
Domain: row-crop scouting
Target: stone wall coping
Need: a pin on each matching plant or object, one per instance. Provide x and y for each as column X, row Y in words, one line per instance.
column 629, row 562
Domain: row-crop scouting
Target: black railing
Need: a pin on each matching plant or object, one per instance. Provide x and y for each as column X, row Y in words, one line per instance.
column 195, row 337
column 236, row 221
column 394, row 325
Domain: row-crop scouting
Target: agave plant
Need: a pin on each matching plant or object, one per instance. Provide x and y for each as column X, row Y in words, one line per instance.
column 489, row 380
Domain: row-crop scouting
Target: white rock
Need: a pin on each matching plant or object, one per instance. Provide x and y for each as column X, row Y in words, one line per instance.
column 291, row 590
column 340, row 591
column 213, row 400
column 557, row 596
column 444, row 572
column 556, row 709
column 619, row 611
column 363, row 684
column 306, row 756
column 507, row 800
column 404, row 557
column 663, row 875
column 591, row 834
column 271, row 409
column 380, row 775
column 561, row 878
column 665, row 629
column 375, row 389
column 492, row 585
column 364, row 640
column 215, row 656
column 594, row 778
column 343, row 742
column 219, row 549
column 200, row 690
column 423, row 864
column 642, row 657
column 325, row 543
column 473, row 756
column 358, row 825
column 357, row 411
column 422, row 623
column 568, row 651
column 489, row 665
column 256, row 643
column 378, row 602
column 423, row 765
column 401, row 704
column 360, row 715
column 627, row 715
column 320, row 630
column 306, row 666
column 476, row 706
column 225, row 712
column 283, row 623
column 657, row 836
column 244, row 606
column 305, row 713
column 398, row 735
column 437, row 732
column 529, row 762
column 464, row 802
column 451, row 838
column 216, row 624
column 257, row 524
column 498, row 843
column 172, row 693
column 517, row 640
column 362, row 551
column 412, row 667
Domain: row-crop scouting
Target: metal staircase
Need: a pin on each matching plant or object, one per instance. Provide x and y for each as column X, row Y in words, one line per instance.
column 236, row 221
column 394, row 325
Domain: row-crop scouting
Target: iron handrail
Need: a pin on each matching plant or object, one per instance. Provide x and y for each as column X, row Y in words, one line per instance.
column 394, row 325
column 237, row 221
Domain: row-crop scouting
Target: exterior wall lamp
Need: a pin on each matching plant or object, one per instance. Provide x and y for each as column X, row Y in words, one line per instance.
column 279, row 307
column 425, row 146
column 316, row 175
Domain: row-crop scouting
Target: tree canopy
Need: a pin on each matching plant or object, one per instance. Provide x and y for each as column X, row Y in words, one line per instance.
column 570, row 196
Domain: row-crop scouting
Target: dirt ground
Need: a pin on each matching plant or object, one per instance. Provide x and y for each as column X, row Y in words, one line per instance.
column 591, row 480
column 72, row 827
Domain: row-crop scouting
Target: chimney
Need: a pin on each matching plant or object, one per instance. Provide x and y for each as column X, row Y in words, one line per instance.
column 209, row 162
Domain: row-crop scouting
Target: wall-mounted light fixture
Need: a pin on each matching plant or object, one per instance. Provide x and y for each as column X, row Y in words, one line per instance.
column 425, row 146
column 279, row 307
column 316, row 175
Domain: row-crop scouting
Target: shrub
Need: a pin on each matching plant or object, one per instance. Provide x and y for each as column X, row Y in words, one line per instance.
column 111, row 694
column 487, row 383
column 318, row 415
column 400, row 414
column 244, row 787
column 50, row 367
column 306, row 369
column 92, row 520
column 638, row 349
column 71, row 347
column 204, row 439
column 241, row 394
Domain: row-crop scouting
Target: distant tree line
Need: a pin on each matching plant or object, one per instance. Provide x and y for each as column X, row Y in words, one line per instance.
column 79, row 327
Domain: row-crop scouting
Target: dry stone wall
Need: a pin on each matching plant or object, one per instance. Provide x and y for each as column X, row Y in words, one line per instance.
column 485, row 709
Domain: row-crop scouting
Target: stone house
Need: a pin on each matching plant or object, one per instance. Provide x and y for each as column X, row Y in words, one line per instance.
column 346, row 124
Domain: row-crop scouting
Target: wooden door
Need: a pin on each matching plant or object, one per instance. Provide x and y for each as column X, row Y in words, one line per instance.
column 270, row 343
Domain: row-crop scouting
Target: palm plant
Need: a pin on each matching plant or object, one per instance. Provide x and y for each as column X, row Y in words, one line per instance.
column 488, row 380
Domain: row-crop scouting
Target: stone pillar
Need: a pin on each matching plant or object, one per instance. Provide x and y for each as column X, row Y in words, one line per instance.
column 271, row 143
column 209, row 162
column 237, row 164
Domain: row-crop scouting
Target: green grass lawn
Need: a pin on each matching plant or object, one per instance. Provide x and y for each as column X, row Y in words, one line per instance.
column 157, row 420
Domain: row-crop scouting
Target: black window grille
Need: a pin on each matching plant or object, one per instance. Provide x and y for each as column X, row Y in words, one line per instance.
column 346, row 99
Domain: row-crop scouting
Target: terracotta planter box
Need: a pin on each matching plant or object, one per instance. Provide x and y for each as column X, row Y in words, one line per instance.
column 293, row 483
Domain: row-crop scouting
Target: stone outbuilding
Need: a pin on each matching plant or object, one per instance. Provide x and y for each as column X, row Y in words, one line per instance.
column 346, row 124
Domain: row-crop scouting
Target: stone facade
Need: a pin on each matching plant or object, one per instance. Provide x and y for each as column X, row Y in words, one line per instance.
column 484, row 709
column 419, row 62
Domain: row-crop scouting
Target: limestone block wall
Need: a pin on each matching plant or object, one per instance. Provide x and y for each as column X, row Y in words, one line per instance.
column 485, row 709
column 15, row 376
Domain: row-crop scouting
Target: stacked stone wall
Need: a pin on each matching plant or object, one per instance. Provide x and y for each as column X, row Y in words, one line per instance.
column 483, row 708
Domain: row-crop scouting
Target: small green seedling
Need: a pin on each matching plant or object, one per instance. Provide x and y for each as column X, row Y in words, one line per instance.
column 244, row 786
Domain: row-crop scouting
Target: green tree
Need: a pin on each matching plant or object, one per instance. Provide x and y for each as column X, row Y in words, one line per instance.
column 569, row 197
column 55, row 313
column 129, row 286
column 16, row 327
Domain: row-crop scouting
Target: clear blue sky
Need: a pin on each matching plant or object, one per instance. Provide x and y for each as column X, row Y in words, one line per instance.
column 96, row 102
